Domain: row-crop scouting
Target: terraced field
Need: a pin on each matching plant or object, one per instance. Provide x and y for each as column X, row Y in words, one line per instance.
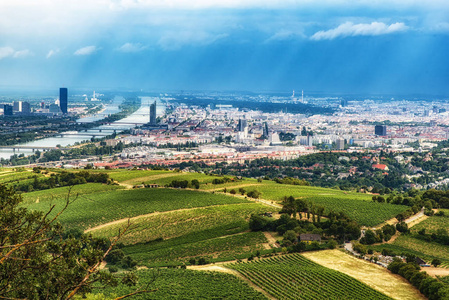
column 293, row 276
column 171, row 226
column 188, row 284
column 357, row 206
column 233, row 218
column 206, row 244
column 432, row 224
column 96, row 207
column 426, row 250
column 371, row 274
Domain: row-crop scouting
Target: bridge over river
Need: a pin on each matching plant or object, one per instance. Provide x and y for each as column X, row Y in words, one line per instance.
column 32, row 148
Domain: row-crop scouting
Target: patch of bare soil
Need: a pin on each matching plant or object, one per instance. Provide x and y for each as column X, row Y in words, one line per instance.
column 436, row 271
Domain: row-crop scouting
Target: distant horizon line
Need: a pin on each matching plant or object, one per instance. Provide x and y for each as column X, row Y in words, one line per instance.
column 55, row 89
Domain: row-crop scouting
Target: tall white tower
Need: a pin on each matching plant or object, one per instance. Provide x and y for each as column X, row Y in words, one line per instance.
column 302, row 96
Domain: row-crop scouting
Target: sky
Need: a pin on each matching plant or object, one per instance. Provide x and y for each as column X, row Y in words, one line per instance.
column 333, row 46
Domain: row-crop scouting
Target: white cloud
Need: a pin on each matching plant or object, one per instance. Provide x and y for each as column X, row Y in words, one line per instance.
column 86, row 50
column 284, row 35
column 351, row 29
column 22, row 53
column 130, row 48
column 10, row 52
column 52, row 52
column 6, row 51
column 175, row 40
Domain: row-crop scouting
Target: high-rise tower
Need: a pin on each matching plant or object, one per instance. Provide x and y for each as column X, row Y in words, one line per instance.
column 153, row 113
column 242, row 125
column 63, row 100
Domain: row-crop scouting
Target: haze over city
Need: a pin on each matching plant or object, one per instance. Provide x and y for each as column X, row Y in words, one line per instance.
column 334, row 46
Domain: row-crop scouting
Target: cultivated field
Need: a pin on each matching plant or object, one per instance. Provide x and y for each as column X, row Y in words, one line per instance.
column 293, row 276
column 93, row 207
column 409, row 243
column 373, row 275
column 170, row 227
column 178, row 251
column 188, row 284
column 223, row 219
column 357, row 206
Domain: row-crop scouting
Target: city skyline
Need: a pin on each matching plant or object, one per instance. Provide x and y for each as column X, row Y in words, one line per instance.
column 336, row 46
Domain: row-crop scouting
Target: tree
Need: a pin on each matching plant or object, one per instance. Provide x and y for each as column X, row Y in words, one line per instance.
column 257, row 222
column 436, row 262
column 369, row 238
column 195, row 184
column 288, row 206
column 290, row 235
column 402, row 227
column 38, row 262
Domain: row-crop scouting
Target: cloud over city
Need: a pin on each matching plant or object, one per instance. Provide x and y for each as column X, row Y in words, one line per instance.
column 132, row 48
column 10, row 52
column 88, row 50
column 351, row 29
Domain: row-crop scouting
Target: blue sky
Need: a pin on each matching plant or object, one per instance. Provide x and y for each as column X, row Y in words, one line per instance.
column 336, row 46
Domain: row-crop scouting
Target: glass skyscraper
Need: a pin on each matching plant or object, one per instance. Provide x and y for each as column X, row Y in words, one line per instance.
column 63, row 100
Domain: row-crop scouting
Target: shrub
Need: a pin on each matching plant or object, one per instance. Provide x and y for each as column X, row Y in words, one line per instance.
column 257, row 222
column 254, row 194
column 402, row 227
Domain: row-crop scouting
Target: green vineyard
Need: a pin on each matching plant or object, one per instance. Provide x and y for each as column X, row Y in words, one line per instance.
column 295, row 277
column 187, row 284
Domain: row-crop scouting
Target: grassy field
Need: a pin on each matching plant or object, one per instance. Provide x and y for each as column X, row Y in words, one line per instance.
column 423, row 249
column 172, row 226
column 432, row 224
column 409, row 243
column 234, row 218
column 11, row 177
column 357, row 206
column 188, row 284
column 205, row 244
column 82, row 191
column 93, row 209
column 293, row 276
column 373, row 275
column 158, row 177
column 216, row 232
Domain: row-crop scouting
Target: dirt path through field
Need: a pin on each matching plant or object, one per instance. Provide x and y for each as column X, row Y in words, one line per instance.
column 373, row 275
column 412, row 221
column 127, row 186
column 218, row 267
column 272, row 242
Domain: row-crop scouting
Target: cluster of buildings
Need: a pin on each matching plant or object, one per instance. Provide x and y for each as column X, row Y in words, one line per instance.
column 24, row 108
column 226, row 133
column 345, row 129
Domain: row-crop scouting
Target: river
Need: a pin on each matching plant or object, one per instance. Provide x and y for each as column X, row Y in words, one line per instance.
column 139, row 117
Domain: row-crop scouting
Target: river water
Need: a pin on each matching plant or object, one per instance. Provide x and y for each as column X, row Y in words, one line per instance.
column 139, row 117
